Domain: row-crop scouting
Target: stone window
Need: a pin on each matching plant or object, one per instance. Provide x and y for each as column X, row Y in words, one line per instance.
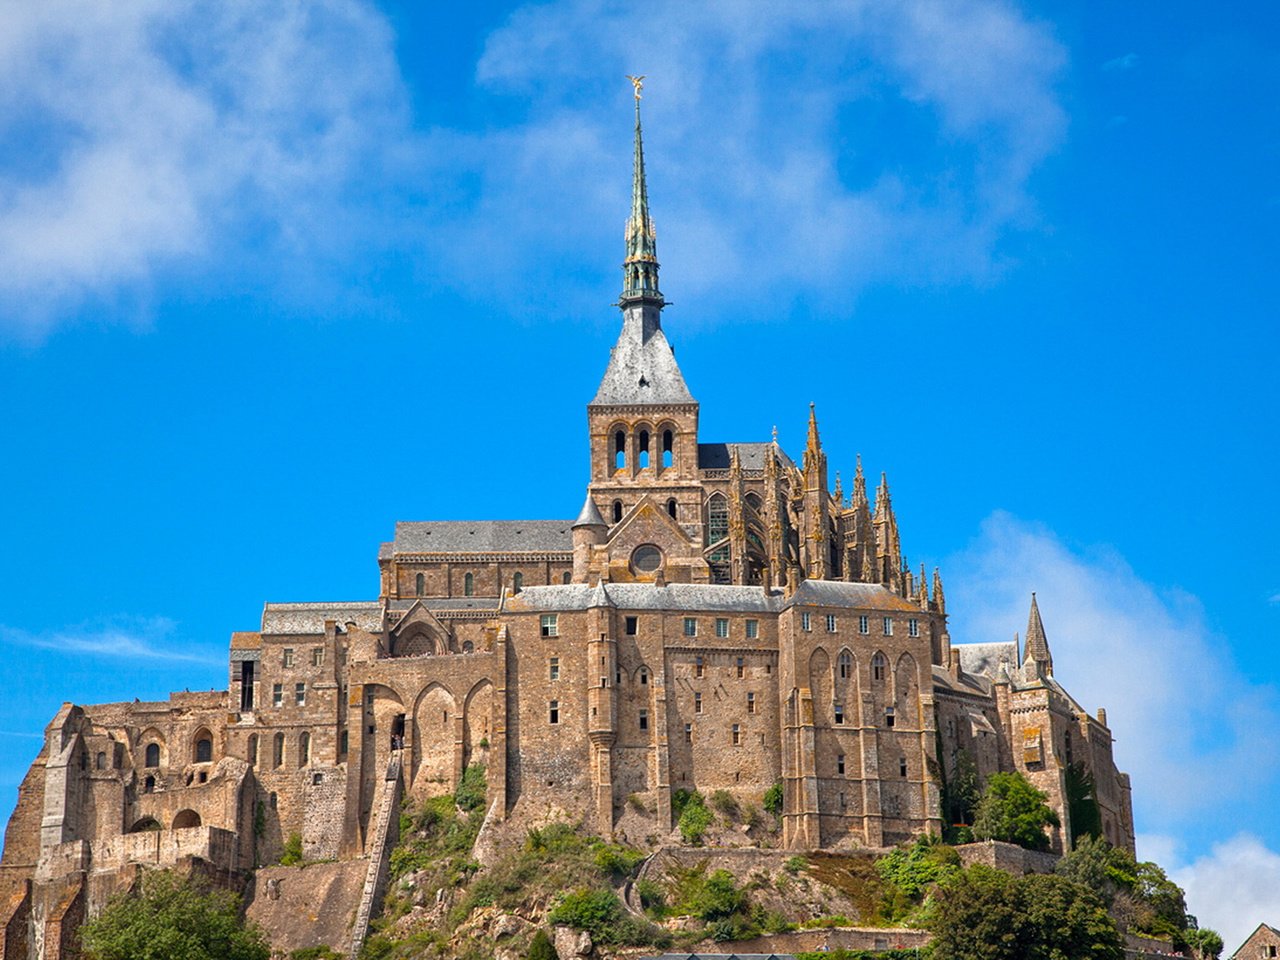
column 565, row 577
column 878, row 665
column 619, row 450
column 839, row 713
column 668, row 448
column 632, row 626
column 902, row 766
column 722, row 627
column 751, row 703
column 888, row 626
column 864, row 624
column 251, row 754
column 672, row 508
column 517, row 583
column 806, row 622
column 642, row 461
column 644, row 719
column 287, row 659
column 344, row 742
column 831, row 623
column 204, row 748
column 420, row 585
column 152, row 755
column 317, row 779
column 697, row 703
column 554, row 669
column 888, row 716
column 843, row 802
column 617, row 511
column 553, row 711
column 741, row 666
column 913, row 627
column 688, row 733
column 737, row 735
column 644, row 675
column 550, row 625
column 699, row 666
column 304, row 749
column 149, row 785
column 840, row 764
column 277, row 694
column 753, row 629
column 277, row 754
column 646, row 559
column 690, row 626
column 617, row 677
column 300, row 694
column 100, row 761
column 468, row 647
column 469, row 585
column 717, row 519
column 844, row 665
column 317, row 656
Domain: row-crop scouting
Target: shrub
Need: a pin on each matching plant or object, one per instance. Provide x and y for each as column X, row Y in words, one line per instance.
column 773, row 799
column 915, row 867
column 600, row 913
column 470, row 794
column 1014, row 811
column 722, row 801
column 291, row 856
column 652, row 896
column 541, row 947
column 315, row 953
column 795, row 864
column 694, row 819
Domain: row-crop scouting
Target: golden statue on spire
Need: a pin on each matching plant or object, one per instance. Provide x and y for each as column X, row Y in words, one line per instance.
column 637, row 82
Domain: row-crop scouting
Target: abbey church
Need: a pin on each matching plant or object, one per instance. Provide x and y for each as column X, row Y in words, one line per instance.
column 715, row 617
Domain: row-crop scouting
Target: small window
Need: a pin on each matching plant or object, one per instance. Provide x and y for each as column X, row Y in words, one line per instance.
column 671, row 508
column 753, row 629
column 843, row 802
column 690, row 627
column 469, row 585
column 751, row 703
column 902, row 766
column 420, row 585
column 632, row 626
column 644, row 676
column 722, row 627
column 844, row 665
column 697, row 703
column 831, row 623
column 317, row 656
column 550, row 625
column 699, row 666
column 741, row 666
column 878, row 664
column 273, row 801
column 646, row 558
column 737, row 735
column 555, row 668
column 839, row 713
column 204, row 749
column 277, row 694
column 619, row 450
column 468, row 646
column 153, row 755
column 287, row 659
column 888, row 716
column 864, row 624
column 300, row 694
column 149, row 785
column 344, row 742
column 806, row 622
column 553, row 711
column 517, row 583
column 668, row 445
column 840, row 764
column 642, row 461
column 277, row 753
column 688, row 733
column 304, row 749
column 566, row 577
column 251, row 753
column 644, row 719
column 617, row 511
column 888, row 626
column 100, row 761
column 317, row 779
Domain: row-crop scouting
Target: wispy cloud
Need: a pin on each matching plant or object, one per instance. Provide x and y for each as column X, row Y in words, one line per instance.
column 135, row 639
column 1126, row 62
column 1274, row 598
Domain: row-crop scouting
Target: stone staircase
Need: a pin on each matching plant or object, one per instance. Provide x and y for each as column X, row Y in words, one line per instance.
column 376, row 876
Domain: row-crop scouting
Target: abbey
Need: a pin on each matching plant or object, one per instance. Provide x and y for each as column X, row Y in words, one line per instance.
column 716, row 617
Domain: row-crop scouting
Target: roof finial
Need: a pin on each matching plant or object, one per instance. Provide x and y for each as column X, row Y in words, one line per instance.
column 640, row 268
column 637, row 82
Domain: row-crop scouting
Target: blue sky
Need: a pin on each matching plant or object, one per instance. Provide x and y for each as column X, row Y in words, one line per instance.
column 271, row 280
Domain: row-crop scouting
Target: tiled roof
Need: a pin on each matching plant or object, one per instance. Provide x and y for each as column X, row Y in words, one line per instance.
column 484, row 536
column 309, row 618
column 642, row 370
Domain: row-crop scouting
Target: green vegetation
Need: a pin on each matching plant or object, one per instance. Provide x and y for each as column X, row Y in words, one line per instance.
column 692, row 816
column 915, row 868
column 601, row 914
column 960, row 796
column 722, row 802
column 773, row 799
column 541, row 947
column 1206, row 944
column 985, row 914
column 316, row 953
column 291, row 856
column 1082, row 804
column 470, row 794
column 842, row 954
column 1014, row 811
column 169, row 918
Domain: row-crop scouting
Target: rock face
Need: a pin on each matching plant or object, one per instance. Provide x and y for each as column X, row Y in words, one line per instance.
column 307, row 907
column 572, row 944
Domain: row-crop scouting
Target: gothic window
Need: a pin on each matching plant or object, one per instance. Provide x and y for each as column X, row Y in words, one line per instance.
column 420, row 585
column 304, row 749
column 550, row 625
column 152, row 755
column 643, row 460
column 277, row 755
column 844, row 665
column 754, row 502
column 469, row 585
column 617, row 511
column 717, row 519
column 671, row 508
column 668, row 448
column 619, row 450
column 878, row 665
column 204, row 749
column 517, row 583
column 251, row 754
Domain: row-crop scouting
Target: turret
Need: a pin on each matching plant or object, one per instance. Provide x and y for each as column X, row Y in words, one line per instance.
column 1037, row 649
column 589, row 530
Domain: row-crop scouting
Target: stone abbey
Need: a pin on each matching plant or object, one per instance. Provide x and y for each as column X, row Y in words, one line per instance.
column 715, row 618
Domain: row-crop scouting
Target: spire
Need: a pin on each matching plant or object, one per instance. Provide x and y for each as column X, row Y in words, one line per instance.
column 939, row 601
column 640, row 268
column 838, row 495
column 813, row 449
column 859, row 485
column 924, row 590
column 1037, row 644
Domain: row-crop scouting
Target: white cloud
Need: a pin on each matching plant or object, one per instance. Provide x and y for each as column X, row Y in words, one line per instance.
column 143, row 136
column 134, row 639
column 1126, row 62
column 1182, row 712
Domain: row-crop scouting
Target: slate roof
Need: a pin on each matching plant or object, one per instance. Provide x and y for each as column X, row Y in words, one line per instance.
column 837, row 593
column 642, row 370
column 309, row 618
column 715, row 456
column 648, row 596
column 484, row 536
column 983, row 659
column 448, row 603
column 974, row 685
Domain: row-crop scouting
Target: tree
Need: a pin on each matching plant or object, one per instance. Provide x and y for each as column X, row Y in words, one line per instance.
column 986, row 914
column 171, row 918
column 1082, row 803
column 1206, row 943
column 1014, row 811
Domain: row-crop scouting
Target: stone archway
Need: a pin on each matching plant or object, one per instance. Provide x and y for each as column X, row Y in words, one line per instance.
column 477, row 723
column 435, row 720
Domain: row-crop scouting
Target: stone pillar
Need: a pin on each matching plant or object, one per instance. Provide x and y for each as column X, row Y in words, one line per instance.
column 873, row 825
column 602, row 662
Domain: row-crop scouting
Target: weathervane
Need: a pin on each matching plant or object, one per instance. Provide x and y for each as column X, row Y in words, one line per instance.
column 637, row 82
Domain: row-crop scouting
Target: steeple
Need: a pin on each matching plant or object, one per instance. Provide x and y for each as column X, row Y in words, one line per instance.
column 640, row 268
column 813, row 455
column 1037, row 647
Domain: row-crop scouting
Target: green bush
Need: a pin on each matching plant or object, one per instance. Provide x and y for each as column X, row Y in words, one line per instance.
column 316, row 953
column 1014, row 811
column 695, row 818
column 292, row 853
column 795, row 864
column 652, row 896
column 916, row 867
column 470, row 794
column 723, row 803
column 600, row 913
column 773, row 799
column 541, row 947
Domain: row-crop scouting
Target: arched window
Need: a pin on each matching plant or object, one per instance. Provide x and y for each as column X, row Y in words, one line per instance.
column 717, row 519
column 204, row 749
column 252, row 753
column 617, row 511
column 619, row 450
column 644, row 449
column 517, row 583
column 469, row 585
column 566, row 577
column 186, row 819
column 101, row 761
column 277, row 756
column 844, row 665
column 420, row 585
column 468, row 647
column 878, row 664
column 668, row 448
column 304, row 749
column 153, row 755
column 148, row 785
column 671, row 508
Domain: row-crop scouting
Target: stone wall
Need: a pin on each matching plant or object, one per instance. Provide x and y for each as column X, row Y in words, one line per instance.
column 1007, row 857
